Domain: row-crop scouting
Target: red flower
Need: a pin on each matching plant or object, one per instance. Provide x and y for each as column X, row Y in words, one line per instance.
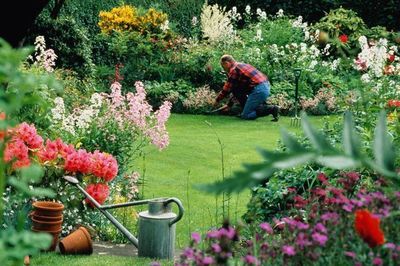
column 368, row 228
column 78, row 161
column 343, row 38
column 391, row 58
column 104, row 166
column 99, row 192
column 394, row 103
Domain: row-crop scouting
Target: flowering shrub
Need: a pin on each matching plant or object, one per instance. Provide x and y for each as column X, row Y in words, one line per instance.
column 127, row 18
column 331, row 224
column 216, row 24
column 200, row 101
column 322, row 103
column 44, row 58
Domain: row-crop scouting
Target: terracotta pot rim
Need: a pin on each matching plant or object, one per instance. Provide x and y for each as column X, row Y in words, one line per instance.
column 47, row 222
column 44, row 231
column 48, row 205
column 68, row 241
column 44, row 217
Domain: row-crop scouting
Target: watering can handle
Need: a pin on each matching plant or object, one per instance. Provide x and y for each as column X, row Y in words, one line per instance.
column 181, row 210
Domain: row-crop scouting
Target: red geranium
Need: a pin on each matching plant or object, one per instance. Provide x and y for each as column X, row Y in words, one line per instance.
column 99, row 192
column 368, row 228
column 391, row 57
column 343, row 38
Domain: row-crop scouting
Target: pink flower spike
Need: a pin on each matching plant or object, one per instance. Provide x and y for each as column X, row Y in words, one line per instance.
column 319, row 238
column 196, row 237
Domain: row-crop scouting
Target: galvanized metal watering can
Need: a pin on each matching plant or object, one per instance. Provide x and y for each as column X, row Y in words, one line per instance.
column 156, row 226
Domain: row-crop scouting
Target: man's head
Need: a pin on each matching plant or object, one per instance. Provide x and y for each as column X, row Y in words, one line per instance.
column 227, row 61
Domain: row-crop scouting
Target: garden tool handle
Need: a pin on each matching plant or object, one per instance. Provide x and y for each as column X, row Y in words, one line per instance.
column 181, row 209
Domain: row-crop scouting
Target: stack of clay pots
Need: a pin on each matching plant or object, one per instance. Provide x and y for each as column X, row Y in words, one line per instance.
column 47, row 217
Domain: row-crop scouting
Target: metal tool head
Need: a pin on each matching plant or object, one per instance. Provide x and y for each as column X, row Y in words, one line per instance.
column 71, row 179
column 295, row 121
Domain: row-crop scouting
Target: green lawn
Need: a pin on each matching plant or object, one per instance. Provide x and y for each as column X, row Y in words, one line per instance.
column 194, row 157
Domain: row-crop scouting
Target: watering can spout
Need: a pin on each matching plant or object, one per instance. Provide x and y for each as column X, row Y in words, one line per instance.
column 71, row 179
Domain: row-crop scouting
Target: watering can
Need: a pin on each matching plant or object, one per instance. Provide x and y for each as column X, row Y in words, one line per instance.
column 156, row 225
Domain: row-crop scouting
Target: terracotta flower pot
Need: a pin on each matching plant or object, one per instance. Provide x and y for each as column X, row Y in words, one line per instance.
column 46, row 225
column 48, row 208
column 55, row 235
column 78, row 242
column 45, row 218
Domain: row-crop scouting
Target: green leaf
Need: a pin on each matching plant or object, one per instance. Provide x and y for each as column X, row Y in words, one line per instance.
column 33, row 173
column 351, row 143
column 338, row 161
column 292, row 160
column 23, row 187
column 383, row 148
column 317, row 140
column 290, row 142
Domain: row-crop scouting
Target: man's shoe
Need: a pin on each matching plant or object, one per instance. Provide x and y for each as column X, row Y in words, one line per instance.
column 275, row 113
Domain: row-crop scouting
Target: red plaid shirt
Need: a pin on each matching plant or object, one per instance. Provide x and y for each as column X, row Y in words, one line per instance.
column 242, row 76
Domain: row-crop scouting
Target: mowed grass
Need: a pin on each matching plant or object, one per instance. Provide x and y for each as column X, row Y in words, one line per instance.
column 194, row 157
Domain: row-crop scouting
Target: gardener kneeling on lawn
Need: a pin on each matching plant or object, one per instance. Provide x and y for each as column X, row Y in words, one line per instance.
column 249, row 86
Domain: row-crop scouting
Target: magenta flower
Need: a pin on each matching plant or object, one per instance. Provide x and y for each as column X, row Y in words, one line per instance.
column 377, row 261
column 319, row 238
column 196, row 237
column 350, row 254
column 390, row 246
column 266, row 227
column 188, row 253
column 348, row 207
column 155, row 263
column 302, row 240
column 216, row 248
column 249, row 259
column 320, row 228
column 213, row 234
column 288, row 250
column 330, row 216
column 208, row 260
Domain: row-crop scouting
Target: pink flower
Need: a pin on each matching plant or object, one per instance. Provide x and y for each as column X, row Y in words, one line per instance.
column 48, row 152
column 28, row 134
column 63, row 149
column 216, row 248
column 18, row 151
column 196, row 237
column 302, row 240
column 288, row 250
column 99, row 192
column 213, row 234
column 319, row 238
column 208, row 261
column 377, row 261
column 350, row 254
column 266, row 227
column 104, row 166
column 251, row 260
column 78, row 161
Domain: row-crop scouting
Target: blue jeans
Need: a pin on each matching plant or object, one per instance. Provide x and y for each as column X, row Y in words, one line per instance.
column 258, row 96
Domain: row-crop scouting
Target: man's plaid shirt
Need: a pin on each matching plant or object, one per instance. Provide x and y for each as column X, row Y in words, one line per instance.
column 242, row 77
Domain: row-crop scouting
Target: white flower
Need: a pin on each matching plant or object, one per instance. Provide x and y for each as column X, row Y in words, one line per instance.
column 366, row 78
column 313, row 64
column 194, row 21
column 279, row 13
column 258, row 36
column 248, row 10
column 165, row 26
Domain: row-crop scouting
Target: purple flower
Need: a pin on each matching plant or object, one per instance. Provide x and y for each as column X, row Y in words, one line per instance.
column 377, row 261
column 155, row 263
column 320, row 228
column 288, row 250
column 216, row 248
column 302, row 240
column 330, row 216
column 302, row 226
column 348, row 207
column 320, row 238
column 266, row 227
column 229, row 233
column 196, row 237
column 208, row 260
column 350, row 254
column 249, row 259
column 188, row 253
column 213, row 234
column 397, row 194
